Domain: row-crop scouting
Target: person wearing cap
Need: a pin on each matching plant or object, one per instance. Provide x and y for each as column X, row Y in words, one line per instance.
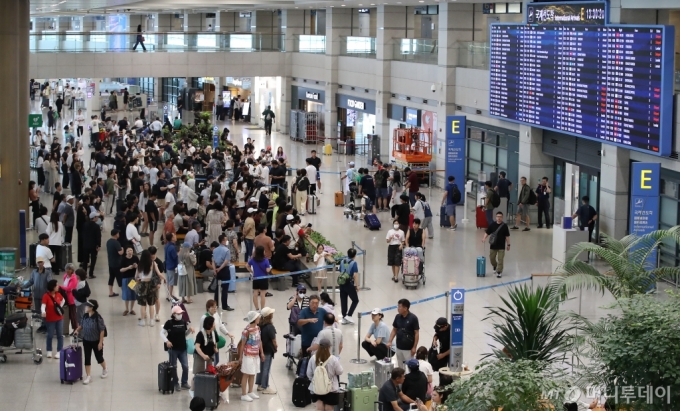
column 40, row 277
column 442, row 337
column 170, row 199
column 197, row 403
column 174, row 335
column 92, row 331
column 295, row 305
column 251, row 355
column 377, row 336
column 186, row 273
column 92, row 242
column 248, row 231
column 349, row 175
column 324, row 358
column 269, row 348
column 415, row 384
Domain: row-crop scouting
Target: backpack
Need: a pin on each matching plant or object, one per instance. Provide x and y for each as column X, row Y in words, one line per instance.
column 345, row 267
column 455, row 194
column 321, row 382
column 82, row 294
column 532, row 197
column 495, row 198
column 426, row 209
column 303, row 184
column 379, row 178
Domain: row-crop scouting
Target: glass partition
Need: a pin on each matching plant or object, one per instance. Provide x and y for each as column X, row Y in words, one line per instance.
column 102, row 41
column 416, row 50
column 357, row 46
column 472, row 54
column 310, row 44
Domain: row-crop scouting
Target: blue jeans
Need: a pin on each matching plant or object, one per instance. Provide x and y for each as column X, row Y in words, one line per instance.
column 182, row 357
column 412, row 198
column 262, row 378
column 55, row 327
column 489, row 216
column 249, row 248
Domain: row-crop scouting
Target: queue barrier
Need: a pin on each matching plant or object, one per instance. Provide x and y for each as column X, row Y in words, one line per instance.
column 359, row 360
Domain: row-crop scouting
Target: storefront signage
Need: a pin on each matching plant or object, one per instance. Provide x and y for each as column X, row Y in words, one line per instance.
column 244, row 14
column 587, row 13
column 304, row 93
column 364, row 11
column 413, row 117
column 455, row 149
column 457, row 317
column 644, row 201
column 355, row 103
column 311, row 96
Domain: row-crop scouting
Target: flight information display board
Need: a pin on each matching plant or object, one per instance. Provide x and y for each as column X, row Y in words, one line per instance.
column 608, row 83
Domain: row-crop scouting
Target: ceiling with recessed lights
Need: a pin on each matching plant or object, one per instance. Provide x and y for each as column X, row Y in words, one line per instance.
column 78, row 7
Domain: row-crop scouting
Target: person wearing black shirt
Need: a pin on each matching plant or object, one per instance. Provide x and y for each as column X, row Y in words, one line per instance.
column 390, row 395
column 401, row 212
column 503, row 187
column 92, row 241
column 443, row 337
column 382, row 193
column 206, row 346
column 123, row 124
column 367, row 188
column 249, row 145
column 316, row 162
column 415, row 384
column 174, row 334
column 120, row 152
column 278, row 176
column 269, row 348
column 82, row 216
column 500, row 237
column 543, row 192
column 586, row 217
column 406, row 328
column 286, row 259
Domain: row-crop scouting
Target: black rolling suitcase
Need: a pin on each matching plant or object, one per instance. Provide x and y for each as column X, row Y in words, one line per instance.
column 165, row 378
column 207, row 387
column 31, row 254
column 66, row 255
column 301, row 395
column 443, row 218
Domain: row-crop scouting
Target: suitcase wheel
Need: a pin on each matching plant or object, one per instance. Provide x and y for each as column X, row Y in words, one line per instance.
column 3, row 358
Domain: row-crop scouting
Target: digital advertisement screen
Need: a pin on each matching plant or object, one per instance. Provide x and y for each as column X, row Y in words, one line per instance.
column 594, row 13
column 607, row 83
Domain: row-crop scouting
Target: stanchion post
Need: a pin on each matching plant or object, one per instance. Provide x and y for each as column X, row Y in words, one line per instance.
column 363, row 268
column 448, row 305
column 358, row 360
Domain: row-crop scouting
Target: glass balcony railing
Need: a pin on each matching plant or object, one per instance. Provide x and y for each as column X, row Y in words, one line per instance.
column 357, row 46
column 472, row 54
column 101, row 41
column 416, row 50
column 309, row 43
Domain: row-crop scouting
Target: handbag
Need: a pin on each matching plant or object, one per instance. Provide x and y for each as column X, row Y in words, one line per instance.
column 181, row 270
column 221, row 341
column 191, row 345
column 57, row 308
column 138, row 247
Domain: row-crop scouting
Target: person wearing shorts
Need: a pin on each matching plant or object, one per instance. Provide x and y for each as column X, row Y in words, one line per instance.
column 522, row 205
column 259, row 268
column 206, row 347
column 316, row 162
column 251, row 354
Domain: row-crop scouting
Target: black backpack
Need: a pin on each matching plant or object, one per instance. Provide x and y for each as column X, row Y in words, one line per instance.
column 532, row 197
column 82, row 294
column 495, row 198
column 455, row 194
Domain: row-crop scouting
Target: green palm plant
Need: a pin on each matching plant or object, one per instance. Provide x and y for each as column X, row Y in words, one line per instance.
column 528, row 326
column 631, row 264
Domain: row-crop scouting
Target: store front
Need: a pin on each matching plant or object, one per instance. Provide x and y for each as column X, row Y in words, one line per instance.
column 356, row 120
column 576, row 174
column 307, row 114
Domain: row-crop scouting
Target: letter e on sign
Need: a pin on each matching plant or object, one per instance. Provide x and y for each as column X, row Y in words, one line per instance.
column 644, row 180
column 455, row 126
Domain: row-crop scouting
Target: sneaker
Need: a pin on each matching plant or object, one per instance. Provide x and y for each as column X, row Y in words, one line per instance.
column 229, row 309
column 499, row 275
column 349, row 319
column 156, row 318
column 105, row 373
column 151, row 323
column 254, row 396
column 259, row 388
column 452, row 228
column 191, row 394
column 269, row 391
column 246, row 398
column 113, row 295
column 178, row 388
column 56, row 355
column 268, row 294
column 344, row 321
column 87, row 380
column 186, row 386
column 455, row 226
column 49, row 354
column 142, row 323
column 527, row 229
column 514, row 227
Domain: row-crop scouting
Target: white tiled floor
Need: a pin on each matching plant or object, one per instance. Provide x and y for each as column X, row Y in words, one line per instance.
column 133, row 352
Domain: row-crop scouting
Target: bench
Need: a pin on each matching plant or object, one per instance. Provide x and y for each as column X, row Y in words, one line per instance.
column 278, row 272
column 240, row 266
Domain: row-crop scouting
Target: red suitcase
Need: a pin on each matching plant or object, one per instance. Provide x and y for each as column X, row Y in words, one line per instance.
column 481, row 218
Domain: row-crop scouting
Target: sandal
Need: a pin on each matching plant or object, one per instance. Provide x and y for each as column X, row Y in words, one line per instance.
column 125, row 313
column 132, row 312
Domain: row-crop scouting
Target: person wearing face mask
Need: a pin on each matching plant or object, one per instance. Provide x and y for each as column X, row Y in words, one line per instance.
column 174, row 334
column 296, row 303
column 92, row 330
column 395, row 238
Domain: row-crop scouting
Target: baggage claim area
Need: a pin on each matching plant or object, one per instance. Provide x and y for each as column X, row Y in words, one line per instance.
column 389, row 216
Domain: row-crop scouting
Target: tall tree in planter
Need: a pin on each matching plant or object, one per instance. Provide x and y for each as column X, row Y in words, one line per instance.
column 528, row 325
column 638, row 347
column 631, row 264
column 521, row 385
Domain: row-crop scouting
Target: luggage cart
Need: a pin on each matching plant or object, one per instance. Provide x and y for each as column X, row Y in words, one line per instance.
column 411, row 280
column 30, row 348
column 351, row 210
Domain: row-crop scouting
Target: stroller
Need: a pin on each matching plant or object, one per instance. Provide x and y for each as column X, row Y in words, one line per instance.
column 353, row 210
column 413, row 267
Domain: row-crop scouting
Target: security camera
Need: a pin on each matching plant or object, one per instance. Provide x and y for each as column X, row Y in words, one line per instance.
column 433, row 88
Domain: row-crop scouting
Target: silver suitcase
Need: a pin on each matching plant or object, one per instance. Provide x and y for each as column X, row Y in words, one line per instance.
column 383, row 371
column 23, row 338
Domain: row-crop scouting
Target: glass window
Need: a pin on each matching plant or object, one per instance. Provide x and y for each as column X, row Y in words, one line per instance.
column 241, row 41
column 514, row 7
column 502, row 159
column 491, row 138
column 489, row 154
column 669, row 211
column 502, row 140
column 669, row 188
column 474, row 167
column 475, row 150
column 475, row 134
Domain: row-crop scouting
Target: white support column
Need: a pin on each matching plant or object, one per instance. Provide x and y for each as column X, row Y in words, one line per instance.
column 337, row 26
column 533, row 164
column 614, row 190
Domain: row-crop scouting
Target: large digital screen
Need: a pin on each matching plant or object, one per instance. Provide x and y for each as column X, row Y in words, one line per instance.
column 587, row 12
column 607, row 83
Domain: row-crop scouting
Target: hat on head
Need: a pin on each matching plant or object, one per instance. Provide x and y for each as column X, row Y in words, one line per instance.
column 264, row 190
column 289, row 217
column 412, row 363
column 68, row 198
column 92, row 303
column 267, row 311
column 186, row 245
column 252, row 210
column 40, row 259
column 177, row 310
column 351, row 163
column 376, row 311
column 252, row 316
column 94, row 214
column 253, row 200
column 325, row 343
column 441, row 321
column 171, row 186
column 301, row 287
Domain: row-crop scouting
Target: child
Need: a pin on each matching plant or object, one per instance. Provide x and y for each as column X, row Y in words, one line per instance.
column 250, row 353
column 320, row 260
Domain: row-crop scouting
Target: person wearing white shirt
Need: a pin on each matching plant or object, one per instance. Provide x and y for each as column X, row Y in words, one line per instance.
column 139, row 124
column 153, row 176
column 131, row 232
column 42, row 222
column 205, row 193
column 264, row 174
column 418, row 209
column 80, row 94
column 156, row 127
column 80, row 123
column 170, row 200
column 42, row 250
column 184, row 190
column 395, row 238
column 311, row 173
column 56, row 239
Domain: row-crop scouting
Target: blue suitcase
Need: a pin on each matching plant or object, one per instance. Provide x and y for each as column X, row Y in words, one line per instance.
column 443, row 218
column 481, row 266
column 371, row 222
